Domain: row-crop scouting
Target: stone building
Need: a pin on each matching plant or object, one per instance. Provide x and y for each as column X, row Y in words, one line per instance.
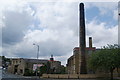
column 73, row 63
column 19, row 65
column 55, row 66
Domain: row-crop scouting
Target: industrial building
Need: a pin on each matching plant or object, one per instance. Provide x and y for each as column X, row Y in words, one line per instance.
column 19, row 65
column 73, row 63
column 76, row 64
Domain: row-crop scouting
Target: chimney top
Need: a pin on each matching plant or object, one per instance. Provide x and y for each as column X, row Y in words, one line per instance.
column 90, row 37
column 81, row 6
column 90, row 42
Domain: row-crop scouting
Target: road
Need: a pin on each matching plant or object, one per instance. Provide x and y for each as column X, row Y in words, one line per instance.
column 0, row 73
column 8, row 76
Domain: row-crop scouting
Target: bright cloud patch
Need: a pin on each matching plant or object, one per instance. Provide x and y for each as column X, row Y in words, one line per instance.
column 102, row 35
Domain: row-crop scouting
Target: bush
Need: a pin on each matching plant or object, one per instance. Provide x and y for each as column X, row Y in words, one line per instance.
column 28, row 72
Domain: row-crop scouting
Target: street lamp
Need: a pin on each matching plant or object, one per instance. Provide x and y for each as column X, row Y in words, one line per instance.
column 37, row 56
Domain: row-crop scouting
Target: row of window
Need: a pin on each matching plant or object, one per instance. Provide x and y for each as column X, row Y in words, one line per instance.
column 16, row 62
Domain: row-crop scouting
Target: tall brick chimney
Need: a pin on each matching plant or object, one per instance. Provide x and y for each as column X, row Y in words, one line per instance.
column 82, row 44
column 90, row 42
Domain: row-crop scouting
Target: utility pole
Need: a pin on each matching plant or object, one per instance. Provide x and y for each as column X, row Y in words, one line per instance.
column 37, row 57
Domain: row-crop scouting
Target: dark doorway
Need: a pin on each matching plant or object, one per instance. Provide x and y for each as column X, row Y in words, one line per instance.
column 15, row 69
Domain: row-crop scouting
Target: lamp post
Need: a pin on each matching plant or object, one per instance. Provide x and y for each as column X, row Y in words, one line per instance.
column 37, row 57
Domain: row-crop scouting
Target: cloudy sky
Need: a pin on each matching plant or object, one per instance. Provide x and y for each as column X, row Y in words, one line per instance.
column 54, row 27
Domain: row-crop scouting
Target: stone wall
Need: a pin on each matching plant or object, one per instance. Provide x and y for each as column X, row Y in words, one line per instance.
column 76, row 76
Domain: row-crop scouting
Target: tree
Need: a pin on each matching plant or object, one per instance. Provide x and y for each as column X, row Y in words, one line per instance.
column 5, row 61
column 107, row 58
column 28, row 72
column 43, row 69
column 63, row 70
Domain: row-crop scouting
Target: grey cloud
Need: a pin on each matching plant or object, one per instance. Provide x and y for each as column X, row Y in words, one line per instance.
column 28, row 50
column 119, row 35
column 16, row 23
column 51, row 47
column 119, row 31
column 0, row 37
column 119, row 23
column 54, row 47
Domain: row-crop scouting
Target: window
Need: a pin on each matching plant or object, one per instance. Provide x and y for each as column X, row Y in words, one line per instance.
column 21, row 71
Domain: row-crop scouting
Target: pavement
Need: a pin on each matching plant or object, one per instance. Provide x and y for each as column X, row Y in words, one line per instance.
column 8, row 76
column 0, row 73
